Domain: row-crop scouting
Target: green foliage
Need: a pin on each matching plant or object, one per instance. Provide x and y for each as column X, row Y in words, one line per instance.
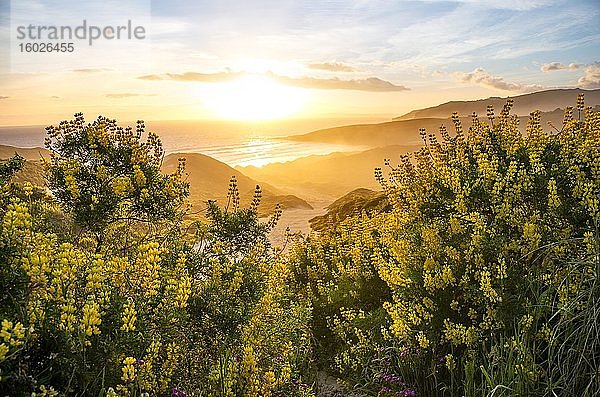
column 335, row 272
column 477, row 219
column 9, row 167
column 102, row 173
column 118, row 298
column 479, row 279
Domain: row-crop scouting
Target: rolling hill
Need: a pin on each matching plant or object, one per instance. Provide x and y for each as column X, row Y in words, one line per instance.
column 209, row 180
column 27, row 153
column 545, row 101
column 350, row 204
column 33, row 170
column 401, row 132
column 328, row 176
column 404, row 130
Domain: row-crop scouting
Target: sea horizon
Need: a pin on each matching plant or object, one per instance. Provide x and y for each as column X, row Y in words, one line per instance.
column 236, row 143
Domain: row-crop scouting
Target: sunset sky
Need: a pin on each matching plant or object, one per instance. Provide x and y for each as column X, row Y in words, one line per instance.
column 273, row 59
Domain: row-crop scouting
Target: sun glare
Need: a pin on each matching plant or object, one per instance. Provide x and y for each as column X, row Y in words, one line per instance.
column 255, row 97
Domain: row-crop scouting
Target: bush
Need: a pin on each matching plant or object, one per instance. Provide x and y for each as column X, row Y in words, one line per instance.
column 477, row 219
column 129, row 301
column 102, row 173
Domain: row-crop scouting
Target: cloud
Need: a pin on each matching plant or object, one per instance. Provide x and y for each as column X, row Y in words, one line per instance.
column 331, row 67
column 591, row 77
column 124, row 95
column 4, row 97
column 55, row 97
column 482, row 77
column 372, row 84
column 552, row 66
column 91, row 70
column 194, row 76
column 507, row 4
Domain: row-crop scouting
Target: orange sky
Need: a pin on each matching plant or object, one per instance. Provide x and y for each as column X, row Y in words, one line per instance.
column 310, row 59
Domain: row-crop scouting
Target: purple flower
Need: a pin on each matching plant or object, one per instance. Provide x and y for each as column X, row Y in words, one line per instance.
column 177, row 392
column 409, row 393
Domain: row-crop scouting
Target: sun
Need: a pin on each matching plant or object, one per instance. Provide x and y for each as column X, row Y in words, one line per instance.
column 255, row 97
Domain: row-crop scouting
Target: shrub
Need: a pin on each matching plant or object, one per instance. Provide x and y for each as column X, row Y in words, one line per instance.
column 102, row 173
column 131, row 302
column 477, row 218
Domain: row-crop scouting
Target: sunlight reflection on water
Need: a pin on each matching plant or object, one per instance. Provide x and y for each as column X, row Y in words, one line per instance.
column 258, row 152
column 227, row 142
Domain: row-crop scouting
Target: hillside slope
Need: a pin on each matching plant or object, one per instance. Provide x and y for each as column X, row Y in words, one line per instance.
column 401, row 132
column 209, row 180
column 350, row 204
column 545, row 101
column 36, row 153
column 328, row 176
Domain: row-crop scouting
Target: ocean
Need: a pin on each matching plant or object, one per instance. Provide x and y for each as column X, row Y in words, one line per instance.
column 234, row 143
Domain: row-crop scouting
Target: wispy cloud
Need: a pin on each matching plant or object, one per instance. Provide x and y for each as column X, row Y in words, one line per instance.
column 194, row 76
column 4, row 97
column 372, row 84
column 121, row 95
column 552, row 66
column 100, row 70
column 483, row 77
column 331, row 67
column 505, row 4
column 591, row 77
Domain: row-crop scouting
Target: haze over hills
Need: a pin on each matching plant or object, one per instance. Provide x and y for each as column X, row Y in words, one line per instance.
column 404, row 130
column 350, row 204
column 545, row 101
column 209, row 180
column 331, row 176
column 327, row 177
column 401, row 132
column 321, row 179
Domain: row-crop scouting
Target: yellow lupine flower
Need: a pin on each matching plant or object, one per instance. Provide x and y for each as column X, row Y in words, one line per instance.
column 450, row 363
column 91, row 318
column 13, row 335
column 138, row 176
column 71, row 184
column 3, row 351
column 122, row 186
column 129, row 316
column 67, row 316
column 128, row 370
column 553, row 199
